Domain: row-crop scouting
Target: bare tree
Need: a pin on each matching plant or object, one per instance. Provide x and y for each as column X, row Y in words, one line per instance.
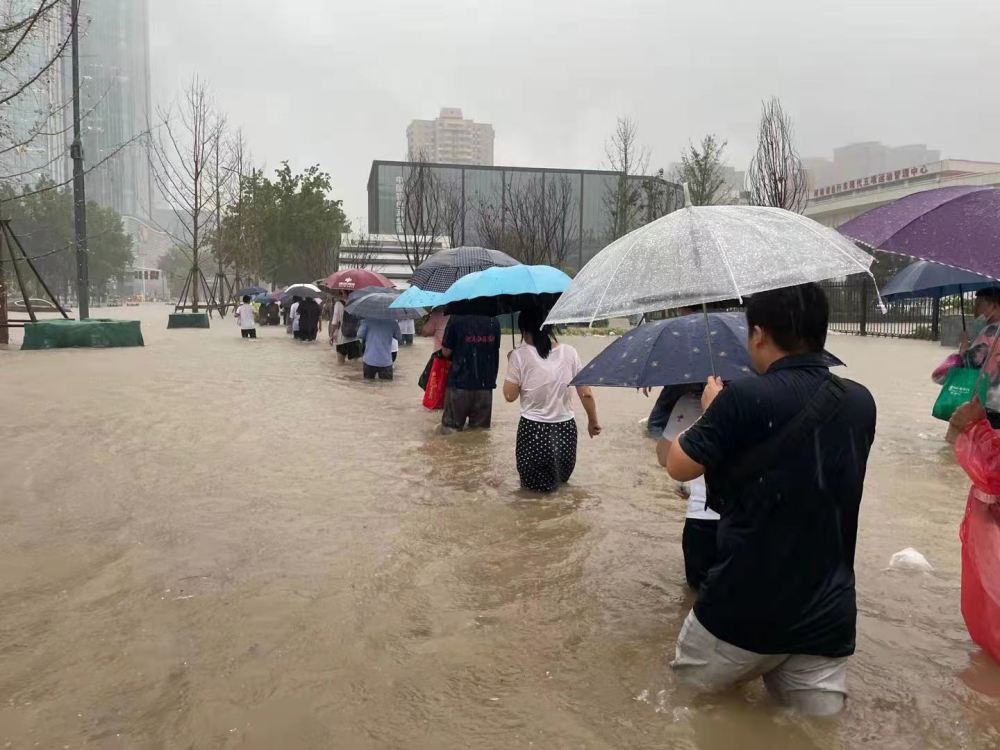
column 534, row 220
column 702, row 170
column 183, row 154
column 420, row 214
column 561, row 211
column 362, row 250
column 453, row 212
column 630, row 160
column 776, row 177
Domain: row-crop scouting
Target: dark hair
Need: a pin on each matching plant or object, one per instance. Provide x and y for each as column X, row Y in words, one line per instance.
column 246, row 297
column 991, row 294
column 296, row 298
column 532, row 321
column 795, row 317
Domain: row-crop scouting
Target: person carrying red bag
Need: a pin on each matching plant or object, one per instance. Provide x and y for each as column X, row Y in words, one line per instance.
column 977, row 449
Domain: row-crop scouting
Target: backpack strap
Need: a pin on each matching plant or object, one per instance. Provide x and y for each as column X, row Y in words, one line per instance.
column 816, row 412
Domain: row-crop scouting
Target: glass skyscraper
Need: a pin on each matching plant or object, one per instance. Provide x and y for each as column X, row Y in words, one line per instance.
column 116, row 103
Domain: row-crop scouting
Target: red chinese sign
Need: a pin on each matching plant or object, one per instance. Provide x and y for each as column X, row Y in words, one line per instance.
column 874, row 180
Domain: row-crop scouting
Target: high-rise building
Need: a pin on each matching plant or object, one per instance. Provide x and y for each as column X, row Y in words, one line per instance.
column 450, row 139
column 34, row 145
column 115, row 99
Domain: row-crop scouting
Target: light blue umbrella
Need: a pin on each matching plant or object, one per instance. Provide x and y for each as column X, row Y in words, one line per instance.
column 510, row 281
column 416, row 297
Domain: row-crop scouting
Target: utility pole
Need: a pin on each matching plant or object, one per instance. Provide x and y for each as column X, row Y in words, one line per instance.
column 79, row 180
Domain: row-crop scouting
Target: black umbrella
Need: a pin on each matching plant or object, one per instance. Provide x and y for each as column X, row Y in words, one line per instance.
column 445, row 267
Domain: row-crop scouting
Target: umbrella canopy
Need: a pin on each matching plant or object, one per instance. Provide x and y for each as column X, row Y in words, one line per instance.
column 705, row 254
column 351, row 279
column 417, row 297
column 250, row 291
column 359, row 293
column 375, row 305
column 957, row 226
column 445, row 267
column 926, row 279
column 302, row 290
column 673, row 352
column 504, row 289
column 263, row 299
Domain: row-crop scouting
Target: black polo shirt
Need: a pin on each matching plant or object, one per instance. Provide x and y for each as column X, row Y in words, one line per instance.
column 784, row 580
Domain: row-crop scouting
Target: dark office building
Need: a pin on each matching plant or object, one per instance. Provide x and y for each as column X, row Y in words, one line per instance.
column 579, row 200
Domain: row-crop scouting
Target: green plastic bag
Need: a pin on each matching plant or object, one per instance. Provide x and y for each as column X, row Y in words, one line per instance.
column 957, row 390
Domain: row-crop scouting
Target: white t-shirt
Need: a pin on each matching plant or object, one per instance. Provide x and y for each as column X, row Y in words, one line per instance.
column 293, row 313
column 407, row 327
column 244, row 316
column 685, row 413
column 338, row 320
column 545, row 391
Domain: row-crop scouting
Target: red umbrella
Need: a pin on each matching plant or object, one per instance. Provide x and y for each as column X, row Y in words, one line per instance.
column 350, row 279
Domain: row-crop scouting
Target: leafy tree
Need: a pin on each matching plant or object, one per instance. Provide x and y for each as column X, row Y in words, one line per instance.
column 43, row 221
column 284, row 229
column 702, row 169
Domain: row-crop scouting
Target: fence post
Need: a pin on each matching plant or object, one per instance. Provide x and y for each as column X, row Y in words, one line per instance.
column 863, row 323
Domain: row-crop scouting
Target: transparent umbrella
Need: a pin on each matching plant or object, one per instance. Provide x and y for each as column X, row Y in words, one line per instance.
column 703, row 254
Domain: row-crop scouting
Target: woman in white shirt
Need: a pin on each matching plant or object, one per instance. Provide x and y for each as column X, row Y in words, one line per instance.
column 539, row 373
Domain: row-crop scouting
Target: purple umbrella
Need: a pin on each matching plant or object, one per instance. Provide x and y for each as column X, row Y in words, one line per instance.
column 956, row 226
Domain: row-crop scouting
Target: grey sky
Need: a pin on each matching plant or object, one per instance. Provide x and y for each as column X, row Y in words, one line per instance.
column 336, row 83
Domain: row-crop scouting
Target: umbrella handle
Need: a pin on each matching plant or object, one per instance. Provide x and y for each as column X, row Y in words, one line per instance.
column 961, row 305
column 708, row 338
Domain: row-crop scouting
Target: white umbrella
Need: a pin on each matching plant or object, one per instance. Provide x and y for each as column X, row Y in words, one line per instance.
column 703, row 254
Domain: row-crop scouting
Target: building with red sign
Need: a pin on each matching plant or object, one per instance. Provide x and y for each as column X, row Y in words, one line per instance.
column 839, row 202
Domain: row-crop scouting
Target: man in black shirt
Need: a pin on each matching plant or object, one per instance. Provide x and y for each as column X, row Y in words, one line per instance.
column 472, row 342
column 784, row 458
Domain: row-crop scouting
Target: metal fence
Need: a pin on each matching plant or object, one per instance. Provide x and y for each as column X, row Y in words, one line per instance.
column 854, row 309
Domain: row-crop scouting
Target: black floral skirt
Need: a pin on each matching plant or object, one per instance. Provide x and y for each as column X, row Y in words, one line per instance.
column 546, row 453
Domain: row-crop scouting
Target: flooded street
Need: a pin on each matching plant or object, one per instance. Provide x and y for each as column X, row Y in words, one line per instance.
column 212, row 543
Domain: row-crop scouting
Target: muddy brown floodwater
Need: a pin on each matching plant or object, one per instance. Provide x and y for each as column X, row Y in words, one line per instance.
column 212, row 543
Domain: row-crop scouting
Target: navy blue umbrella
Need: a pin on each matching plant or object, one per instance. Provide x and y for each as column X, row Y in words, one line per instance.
column 674, row 351
column 251, row 291
column 927, row 279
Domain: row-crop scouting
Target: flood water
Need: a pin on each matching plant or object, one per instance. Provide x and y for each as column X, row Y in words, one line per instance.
column 212, row 543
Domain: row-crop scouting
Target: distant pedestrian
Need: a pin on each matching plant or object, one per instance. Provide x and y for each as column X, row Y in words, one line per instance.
column 378, row 337
column 293, row 316
column 344, row 331
column 245, row 319
column 409, row 329
column 435, row 327
column 472, row 343
column 539, row 373
column 273, row 314
column 309, row 314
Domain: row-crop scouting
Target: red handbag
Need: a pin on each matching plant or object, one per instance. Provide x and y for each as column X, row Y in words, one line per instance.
column 437, row 383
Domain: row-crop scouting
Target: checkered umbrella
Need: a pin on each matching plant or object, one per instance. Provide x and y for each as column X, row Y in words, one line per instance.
column 445, row 267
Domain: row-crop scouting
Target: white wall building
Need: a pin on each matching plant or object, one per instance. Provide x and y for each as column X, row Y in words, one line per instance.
column 834, row 204
column 382, row 253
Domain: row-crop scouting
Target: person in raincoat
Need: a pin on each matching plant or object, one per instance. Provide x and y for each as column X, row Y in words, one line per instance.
column 977, row 449
column 979, row 352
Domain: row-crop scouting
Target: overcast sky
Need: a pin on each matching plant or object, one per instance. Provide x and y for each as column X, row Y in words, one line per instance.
column 336, row 82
